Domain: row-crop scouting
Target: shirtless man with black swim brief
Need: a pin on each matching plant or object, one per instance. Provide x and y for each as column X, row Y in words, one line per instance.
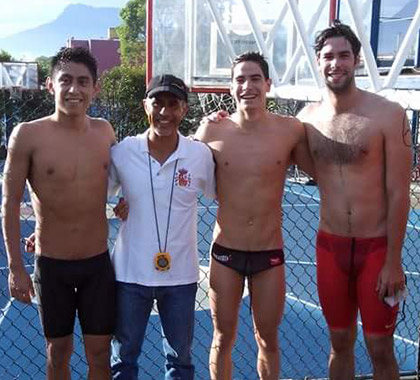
column 65, row 158
column 361, row 147
column 253, row 149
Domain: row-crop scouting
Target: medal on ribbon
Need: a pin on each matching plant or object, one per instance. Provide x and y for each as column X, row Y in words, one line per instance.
column 162, row 259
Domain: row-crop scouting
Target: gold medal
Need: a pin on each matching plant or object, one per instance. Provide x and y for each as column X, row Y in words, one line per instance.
column 162, row 261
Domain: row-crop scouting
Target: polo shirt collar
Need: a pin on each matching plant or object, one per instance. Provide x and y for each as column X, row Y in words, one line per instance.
column 180, row 151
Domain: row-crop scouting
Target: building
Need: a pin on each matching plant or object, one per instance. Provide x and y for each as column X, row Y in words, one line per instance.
column 105, row 50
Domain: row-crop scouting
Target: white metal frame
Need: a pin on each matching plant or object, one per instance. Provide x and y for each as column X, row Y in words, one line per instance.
column 356, row 10
column 20, row 78
column 288, row 85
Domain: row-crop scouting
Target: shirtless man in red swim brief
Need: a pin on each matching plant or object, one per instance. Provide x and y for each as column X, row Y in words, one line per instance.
column 361, row 147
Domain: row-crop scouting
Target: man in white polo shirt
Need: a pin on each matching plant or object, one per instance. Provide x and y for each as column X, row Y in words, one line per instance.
column 160, row 173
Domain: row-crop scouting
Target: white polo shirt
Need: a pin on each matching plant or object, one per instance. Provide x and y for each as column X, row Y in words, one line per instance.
column 137, row 241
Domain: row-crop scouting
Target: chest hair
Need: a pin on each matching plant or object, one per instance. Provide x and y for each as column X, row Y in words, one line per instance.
column 342, row 140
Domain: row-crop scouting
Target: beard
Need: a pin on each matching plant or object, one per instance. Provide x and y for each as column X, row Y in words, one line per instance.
column 339, row 88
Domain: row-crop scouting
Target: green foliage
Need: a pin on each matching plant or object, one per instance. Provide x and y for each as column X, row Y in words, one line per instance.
column 122, row 91
column 43, row 69
column 5, row 56
column 132, row 33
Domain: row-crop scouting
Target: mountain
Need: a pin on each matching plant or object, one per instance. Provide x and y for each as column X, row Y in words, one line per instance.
column 77, row 20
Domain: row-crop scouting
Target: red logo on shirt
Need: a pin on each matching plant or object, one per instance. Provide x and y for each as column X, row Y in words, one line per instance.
column 183, row 178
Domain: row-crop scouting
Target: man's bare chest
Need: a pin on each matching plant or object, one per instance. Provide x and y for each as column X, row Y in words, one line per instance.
column 241, row 157
column 344, row 140
column 69, row 163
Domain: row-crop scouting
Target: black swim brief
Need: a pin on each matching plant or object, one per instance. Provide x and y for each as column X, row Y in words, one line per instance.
column 63, row 287
column 247, row 263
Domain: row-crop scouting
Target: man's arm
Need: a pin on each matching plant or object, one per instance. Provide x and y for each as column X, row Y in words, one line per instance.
column 15, row 173
column 202, row 133
column 301, row 155
column 398, row 163
column 114, row 184
column 209, row 168
column 121, row 209
column 113, row 180
column 111, row 133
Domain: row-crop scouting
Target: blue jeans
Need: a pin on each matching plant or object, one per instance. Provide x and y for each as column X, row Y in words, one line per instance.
column 176, row 305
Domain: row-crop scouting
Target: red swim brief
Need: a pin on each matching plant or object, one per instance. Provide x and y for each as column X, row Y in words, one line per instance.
column 347, row 274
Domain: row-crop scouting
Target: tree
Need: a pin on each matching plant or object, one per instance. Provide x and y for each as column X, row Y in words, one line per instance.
column 5, row 56
column 132, row 33
column 120, row 99
column 43, row 69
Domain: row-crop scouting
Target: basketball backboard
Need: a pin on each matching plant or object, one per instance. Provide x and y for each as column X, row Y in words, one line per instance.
column 19, row 74
column 198, row 39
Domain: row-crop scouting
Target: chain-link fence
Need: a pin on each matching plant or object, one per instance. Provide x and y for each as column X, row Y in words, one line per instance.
column 303, row 333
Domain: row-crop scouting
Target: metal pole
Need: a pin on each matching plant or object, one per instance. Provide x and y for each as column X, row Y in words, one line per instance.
column 189, row 41
column 415, row 129
column 149, row 41
column 374, row 28
column 333, row 10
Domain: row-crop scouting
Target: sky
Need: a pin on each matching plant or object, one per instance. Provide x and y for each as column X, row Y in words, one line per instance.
column 20, row 15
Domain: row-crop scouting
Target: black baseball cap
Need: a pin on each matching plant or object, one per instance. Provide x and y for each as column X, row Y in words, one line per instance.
column 167, row 83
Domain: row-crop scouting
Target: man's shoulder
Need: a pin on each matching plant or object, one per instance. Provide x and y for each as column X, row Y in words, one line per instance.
column 307, row 112
column 99, row 122
column 127, row 144
column 385, row 112
column 36, row 127
column 283, row 119
column 46, row 121
column 196, row 147
column 287, row 123
column 380, row 104
column 101, row 125
column 209, row 128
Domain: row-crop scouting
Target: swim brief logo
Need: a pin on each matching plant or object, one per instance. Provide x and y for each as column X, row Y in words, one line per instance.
column 387, row 327
column 224, row 258
column 183, row 178
column 275, row 261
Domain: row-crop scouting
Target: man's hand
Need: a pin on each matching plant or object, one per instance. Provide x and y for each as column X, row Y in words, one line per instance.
column 20, row 285
column 29, row 243
column 215, row 117
column 121, row 209
column 390, row 281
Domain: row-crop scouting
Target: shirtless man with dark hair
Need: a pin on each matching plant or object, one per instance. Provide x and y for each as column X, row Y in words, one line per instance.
column 361, row 147
column 253, row 149
column 65, row 158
